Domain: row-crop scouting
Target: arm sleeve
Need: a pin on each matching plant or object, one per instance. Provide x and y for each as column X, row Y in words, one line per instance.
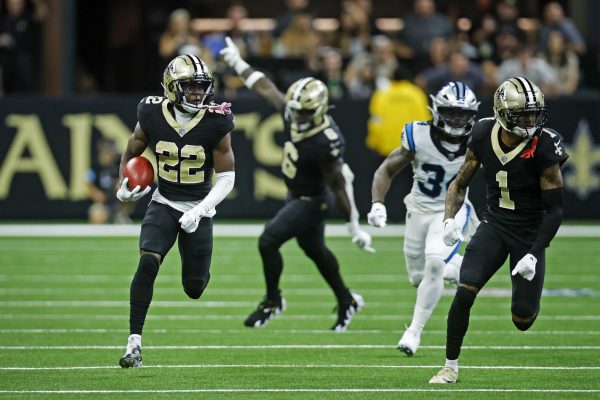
column 552, row 200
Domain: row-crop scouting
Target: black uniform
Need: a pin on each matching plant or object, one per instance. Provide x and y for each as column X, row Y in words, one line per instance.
column 185, row 165
column 305, row 210
column 514, row 208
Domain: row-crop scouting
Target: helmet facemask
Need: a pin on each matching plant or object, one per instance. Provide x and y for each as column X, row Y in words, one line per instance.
column 193, row 93
column 524, row 122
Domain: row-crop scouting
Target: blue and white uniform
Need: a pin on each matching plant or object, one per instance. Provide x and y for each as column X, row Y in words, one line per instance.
column 434, row 168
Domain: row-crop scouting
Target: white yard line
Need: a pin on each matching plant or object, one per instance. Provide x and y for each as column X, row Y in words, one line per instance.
column 35, row 331
column 287, row 317
column 284, row 390
column 312, row 366
column 296, row 347
column 223, row 230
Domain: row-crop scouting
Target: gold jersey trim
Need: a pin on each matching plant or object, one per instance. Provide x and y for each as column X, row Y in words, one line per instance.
column 503, row 157
column 299, row 136
column 179, row 128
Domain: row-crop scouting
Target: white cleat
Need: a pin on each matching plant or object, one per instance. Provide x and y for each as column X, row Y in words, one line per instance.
column 409, row 343
column 444, row 376
column 347, row 311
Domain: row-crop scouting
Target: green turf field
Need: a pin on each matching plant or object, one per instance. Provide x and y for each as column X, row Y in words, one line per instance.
column 64, row 324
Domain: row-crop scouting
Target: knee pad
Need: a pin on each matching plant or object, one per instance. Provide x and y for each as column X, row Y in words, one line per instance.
column 265, row 245
column 414, row 267
column 434, row 268
column 147, row 270
column 415, row 278
column 311, row 249
column 524, row 311
column 194, row 287
column 465, row 297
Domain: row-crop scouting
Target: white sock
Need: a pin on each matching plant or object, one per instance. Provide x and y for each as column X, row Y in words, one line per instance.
column 452, row 364
column 420, row 317
column 428, row 293
column 134, row 340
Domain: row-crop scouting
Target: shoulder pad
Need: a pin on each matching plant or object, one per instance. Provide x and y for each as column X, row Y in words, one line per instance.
column 551, row 133
column 482, row 127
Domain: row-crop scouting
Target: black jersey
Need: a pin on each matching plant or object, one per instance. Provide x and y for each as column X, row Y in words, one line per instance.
column 305, row 152
column 513, row 175
column 183, row 151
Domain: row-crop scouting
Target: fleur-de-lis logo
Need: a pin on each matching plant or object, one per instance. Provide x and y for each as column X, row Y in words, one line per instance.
column 581, row 175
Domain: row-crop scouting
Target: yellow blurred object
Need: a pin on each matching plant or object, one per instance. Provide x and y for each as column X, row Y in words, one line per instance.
column 391, row 108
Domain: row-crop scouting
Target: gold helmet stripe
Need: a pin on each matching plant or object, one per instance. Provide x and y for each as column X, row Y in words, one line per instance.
column 301, row 85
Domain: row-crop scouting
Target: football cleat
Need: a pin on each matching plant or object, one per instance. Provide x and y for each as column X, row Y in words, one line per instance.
column 346, row 311
column 266, row 310
column 409, row 342
column 132, row 357
column 444, row 376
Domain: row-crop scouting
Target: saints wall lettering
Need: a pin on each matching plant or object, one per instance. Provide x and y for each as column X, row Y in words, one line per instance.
column 45, row 155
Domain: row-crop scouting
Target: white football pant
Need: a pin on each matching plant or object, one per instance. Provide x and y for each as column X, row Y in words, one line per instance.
column 426, row 256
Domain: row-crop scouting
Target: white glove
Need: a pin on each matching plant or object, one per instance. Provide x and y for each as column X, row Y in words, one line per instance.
column 360, row 237
column 126, row 195
column 452, row 232
column 189, row 220
column 526, row 267
column 231, row 55
column 378, row 215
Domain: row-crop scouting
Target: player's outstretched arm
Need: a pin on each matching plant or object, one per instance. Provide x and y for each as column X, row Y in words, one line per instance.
column 137, row 143
column 253, row 79
column 456, row 197
column 391, row 166
column 339, row 178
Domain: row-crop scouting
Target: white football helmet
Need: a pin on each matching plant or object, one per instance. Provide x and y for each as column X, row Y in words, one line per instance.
column 454, row 109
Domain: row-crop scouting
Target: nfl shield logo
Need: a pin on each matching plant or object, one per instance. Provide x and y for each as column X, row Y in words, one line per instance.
column 504, row 158
column 181, row 130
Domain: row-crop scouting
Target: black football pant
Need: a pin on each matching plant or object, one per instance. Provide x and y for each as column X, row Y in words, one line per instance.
column 485, row 254
column 304, row 219
column 160, row 229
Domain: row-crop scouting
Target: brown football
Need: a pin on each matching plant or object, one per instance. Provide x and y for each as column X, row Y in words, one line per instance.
column 139, row 171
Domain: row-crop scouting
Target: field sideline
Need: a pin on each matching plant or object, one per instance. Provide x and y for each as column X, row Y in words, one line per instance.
column 64, row 311
column 226, row 229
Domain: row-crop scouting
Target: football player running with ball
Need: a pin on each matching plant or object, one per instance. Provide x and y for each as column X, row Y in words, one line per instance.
column 521, row 163
column 312, row 162
column 190, row 136
column 436, row 150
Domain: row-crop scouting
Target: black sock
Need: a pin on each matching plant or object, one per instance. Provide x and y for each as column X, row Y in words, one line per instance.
column 330, row 270
column 140, row 294
column 458, row 321
column 272, row 268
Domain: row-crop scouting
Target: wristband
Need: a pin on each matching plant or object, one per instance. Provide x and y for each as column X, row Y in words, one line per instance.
column 253, row 78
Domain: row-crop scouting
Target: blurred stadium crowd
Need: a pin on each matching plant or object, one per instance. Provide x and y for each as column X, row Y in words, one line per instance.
column 353, row 45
